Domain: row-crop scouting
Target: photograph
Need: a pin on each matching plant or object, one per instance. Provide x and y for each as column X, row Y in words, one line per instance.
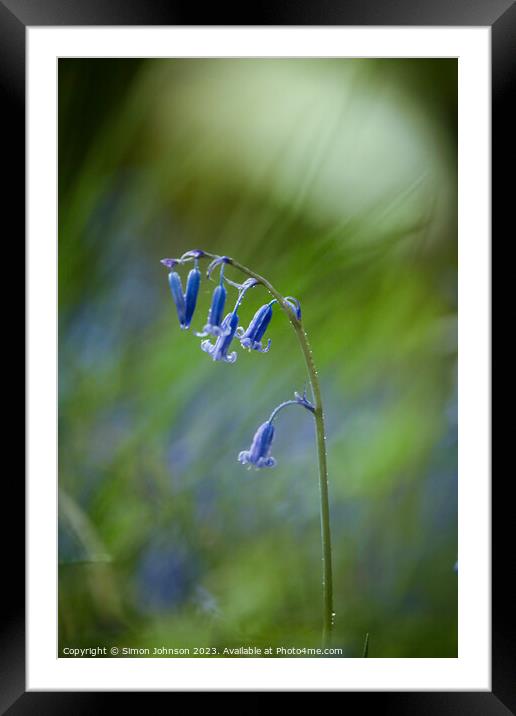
column 257, row 357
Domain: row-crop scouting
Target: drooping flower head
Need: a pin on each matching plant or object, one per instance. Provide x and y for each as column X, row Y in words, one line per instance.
column 258, row 455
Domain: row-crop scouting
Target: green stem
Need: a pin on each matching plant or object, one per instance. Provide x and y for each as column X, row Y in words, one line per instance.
column 365, row 652
column 297, row 324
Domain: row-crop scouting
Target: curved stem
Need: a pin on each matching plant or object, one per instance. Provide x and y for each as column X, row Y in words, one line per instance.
column 281, row 406
column 327, row 577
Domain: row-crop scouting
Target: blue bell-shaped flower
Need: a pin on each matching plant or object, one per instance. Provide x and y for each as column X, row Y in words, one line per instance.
column 252, row 337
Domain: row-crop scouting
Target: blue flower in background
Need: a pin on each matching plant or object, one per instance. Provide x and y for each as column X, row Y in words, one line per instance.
column 251, row 338
column 166, row 577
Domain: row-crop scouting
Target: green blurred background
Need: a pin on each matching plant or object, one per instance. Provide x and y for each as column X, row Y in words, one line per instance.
column 337, row 180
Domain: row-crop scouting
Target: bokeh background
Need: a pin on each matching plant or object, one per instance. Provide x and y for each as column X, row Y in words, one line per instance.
column 335, row 179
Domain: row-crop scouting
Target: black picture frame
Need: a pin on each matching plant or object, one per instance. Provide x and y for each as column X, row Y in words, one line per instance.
column 500, row 15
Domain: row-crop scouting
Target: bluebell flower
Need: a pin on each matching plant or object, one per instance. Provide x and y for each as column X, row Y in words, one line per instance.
column 176, row 288
column 185, row 302
column 219, row 349
column 192, row 291
column 252, row 337
column 218, row 301
column 258, row 455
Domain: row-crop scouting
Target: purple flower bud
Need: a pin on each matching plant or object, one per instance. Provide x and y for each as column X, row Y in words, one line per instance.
column 176, row 289
column 213, row 325
column 192, row 291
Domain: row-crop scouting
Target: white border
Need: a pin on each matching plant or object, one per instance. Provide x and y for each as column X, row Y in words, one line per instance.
column 471, row 670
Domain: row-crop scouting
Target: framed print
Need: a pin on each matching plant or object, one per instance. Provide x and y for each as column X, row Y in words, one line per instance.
column 258, row 302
